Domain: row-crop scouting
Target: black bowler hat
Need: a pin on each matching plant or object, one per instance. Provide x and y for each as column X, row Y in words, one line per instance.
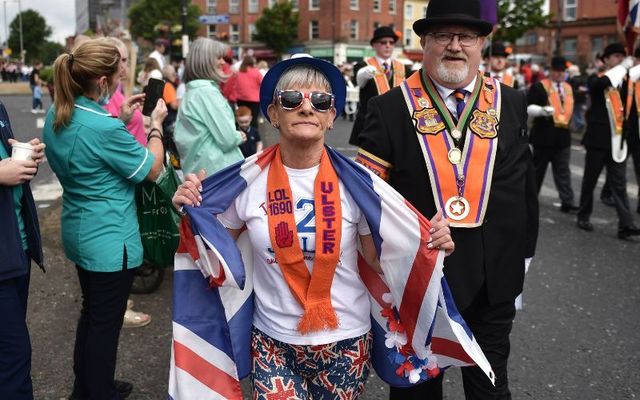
column 453, row 12
column 497, row 49
column 613, row 48
column 383, row 32
column 558, row 63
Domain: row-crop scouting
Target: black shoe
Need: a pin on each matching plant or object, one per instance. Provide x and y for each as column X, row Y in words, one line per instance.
column 585, row 225
column 123, row 388
column 569, row 208
column 624, row 233
column 608, row 201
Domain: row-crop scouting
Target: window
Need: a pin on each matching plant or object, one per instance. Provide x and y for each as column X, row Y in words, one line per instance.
column 408, row 34
column 408, row 11
column 376, row 5
column 294, row 5
column 354, row 30
column 570, row 48
column 597, row 45
column 251, row 30
column 253, row 6
column 314, row 4
column 392, row 6
column 234, row 34
column 314, row 30
column 532, row 39
column 353, row 5
column 211, row 32
column 211, row 6
column 570, row 10
column 234, row 6
column 271, row 3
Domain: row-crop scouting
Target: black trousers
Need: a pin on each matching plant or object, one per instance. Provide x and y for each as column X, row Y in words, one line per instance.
column 491, row 325
column 634, row 151
column 559, row 158
column 15, row 346
column 104, row 301
column 594, row 161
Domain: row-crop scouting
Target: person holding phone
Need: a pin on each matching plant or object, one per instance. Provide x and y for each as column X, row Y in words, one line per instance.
column 205, row 132
column 98, row 164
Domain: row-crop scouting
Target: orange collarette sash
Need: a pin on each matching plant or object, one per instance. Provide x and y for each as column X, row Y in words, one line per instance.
column 615, row 110
column 382, row 83
column 507, row 79
column 459, row 188
column 561, row 112
column 311, row 290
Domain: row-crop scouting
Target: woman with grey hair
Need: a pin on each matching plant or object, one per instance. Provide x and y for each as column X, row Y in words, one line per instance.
column 205, row 132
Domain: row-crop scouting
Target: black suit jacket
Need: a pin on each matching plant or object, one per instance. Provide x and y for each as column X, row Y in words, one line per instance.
column 598, row 132
column 493, row 253
column 630, row 130
column 368, row 91
column 543, row 132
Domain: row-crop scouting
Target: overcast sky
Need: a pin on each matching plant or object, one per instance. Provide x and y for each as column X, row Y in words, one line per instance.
column 59, row 14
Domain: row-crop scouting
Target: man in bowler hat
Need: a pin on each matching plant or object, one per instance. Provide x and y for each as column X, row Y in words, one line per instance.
column 496, row 55
column 451, row 139
column 605, row 122
column 551, row 105
column 376, row 75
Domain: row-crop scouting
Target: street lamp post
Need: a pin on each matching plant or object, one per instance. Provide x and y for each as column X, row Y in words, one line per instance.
column 6, row 26
column 558, row 28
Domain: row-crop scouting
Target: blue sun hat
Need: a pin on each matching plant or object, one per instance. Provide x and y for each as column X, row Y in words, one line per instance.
column 330, row 71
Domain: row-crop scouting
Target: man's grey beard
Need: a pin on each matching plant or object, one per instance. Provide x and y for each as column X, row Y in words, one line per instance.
column 452, row 76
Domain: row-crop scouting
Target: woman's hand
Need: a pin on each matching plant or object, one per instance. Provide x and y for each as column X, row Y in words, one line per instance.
column 441, row 234
column 37, row 154
column 188, row 194
column 130, row 106
column 158, row 114
column 15, row 172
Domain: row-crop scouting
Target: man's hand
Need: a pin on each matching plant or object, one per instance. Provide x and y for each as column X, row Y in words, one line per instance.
column 16, row 172
column 547, row 111
column 130, row 106
column 441, row 234
column 364, row 74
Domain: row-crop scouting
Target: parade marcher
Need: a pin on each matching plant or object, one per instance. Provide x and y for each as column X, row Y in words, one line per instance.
column 604, row 143
column 631, row 92
column 159, row 48
column 497, row 65
column 450, row 139
column 551, row 105
column 205, row 132
column 376, row 75
column 20, row 243
column 98, row 163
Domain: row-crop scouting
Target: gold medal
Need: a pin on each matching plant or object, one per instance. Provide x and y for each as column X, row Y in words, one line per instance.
column 492, row 112
column 457, row 208
column 424, row 103
column 455, row 155
column 456, row 134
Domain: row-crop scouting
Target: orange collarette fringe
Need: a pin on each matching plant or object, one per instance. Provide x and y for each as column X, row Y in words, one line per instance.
column 311, row 290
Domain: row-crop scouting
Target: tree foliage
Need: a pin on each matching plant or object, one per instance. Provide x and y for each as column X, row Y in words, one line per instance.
column 516, row 17
column 277, row 27
column 34, row 34
column 49, row 51
column 146, row 15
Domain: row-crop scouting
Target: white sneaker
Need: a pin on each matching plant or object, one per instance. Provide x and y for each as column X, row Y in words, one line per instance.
column 41, row 111
column 34, row 111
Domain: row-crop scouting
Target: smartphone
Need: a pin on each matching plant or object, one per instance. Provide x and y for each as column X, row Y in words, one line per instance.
column 153, row 92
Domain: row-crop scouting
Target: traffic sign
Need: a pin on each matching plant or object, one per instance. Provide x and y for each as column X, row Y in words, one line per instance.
column 214, row 19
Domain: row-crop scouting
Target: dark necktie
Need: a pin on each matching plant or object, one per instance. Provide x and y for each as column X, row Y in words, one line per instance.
column 459, row 95
column 559, row 86
column 387, row 70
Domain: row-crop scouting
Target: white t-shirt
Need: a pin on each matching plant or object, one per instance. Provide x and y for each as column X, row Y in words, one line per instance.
column 276, row 310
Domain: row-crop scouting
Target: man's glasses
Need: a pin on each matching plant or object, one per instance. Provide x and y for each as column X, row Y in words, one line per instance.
column 292, row 99
column 389, row 41
column 465, row 39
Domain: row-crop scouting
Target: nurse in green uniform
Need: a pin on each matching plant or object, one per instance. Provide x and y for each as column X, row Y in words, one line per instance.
column 98, row 164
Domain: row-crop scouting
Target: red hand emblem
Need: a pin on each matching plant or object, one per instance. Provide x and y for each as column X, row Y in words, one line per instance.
column 284, row 236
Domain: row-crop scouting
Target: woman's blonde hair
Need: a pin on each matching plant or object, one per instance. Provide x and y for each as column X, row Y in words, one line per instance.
column 201, row 60
column 74, row 74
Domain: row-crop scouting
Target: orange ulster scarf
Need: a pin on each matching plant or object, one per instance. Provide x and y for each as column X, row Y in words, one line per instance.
column 311, row 290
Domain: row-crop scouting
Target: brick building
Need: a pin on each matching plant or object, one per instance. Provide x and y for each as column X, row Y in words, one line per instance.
column 587, row 26
column 413, row 10
column 335, row 30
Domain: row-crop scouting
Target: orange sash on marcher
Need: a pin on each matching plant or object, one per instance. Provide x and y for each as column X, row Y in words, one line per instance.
column 562, row 112
column 311, row 290
column 382, row 83
column 468, row 183
column 616, row 110
column 507, row 79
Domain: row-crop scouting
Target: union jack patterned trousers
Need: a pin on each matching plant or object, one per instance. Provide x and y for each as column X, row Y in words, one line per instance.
column 284, row 371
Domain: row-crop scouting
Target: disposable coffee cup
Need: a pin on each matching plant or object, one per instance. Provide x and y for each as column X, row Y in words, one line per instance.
column 22, row 151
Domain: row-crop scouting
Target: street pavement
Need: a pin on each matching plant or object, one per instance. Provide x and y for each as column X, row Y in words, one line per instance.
column 575, row 339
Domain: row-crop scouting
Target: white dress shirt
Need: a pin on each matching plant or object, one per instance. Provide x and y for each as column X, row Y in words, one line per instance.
column 447, row 95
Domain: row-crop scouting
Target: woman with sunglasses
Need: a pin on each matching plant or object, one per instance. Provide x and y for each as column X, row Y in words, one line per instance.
column 312, row 313
column 205, row 132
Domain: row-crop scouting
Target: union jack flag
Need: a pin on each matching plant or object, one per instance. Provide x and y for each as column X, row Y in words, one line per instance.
column 412, row 309
column 629, row 22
